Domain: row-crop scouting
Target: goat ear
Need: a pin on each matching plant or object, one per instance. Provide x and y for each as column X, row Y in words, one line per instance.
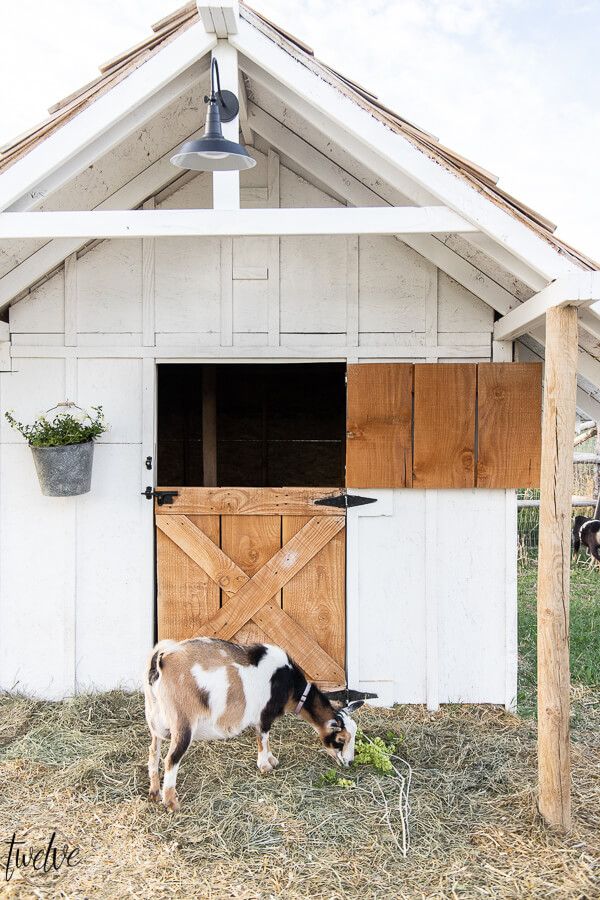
column 356, row 704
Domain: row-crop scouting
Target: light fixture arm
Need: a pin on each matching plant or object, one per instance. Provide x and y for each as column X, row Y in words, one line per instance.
column 228, row 104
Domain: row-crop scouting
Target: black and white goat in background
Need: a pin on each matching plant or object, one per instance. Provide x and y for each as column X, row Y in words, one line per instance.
column 587, row 532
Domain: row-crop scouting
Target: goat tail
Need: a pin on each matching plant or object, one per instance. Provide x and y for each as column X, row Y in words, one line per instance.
column 156, row 660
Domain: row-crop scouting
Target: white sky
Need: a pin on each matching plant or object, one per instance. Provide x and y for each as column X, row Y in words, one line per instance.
column 512, row 84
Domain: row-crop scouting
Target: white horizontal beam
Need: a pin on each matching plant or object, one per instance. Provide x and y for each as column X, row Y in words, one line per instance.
column 231, row 222
column 117, row 103
column 183, row 352
column 578, row 289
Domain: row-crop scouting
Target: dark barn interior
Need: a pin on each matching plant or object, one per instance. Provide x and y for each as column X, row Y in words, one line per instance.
column 252, row 425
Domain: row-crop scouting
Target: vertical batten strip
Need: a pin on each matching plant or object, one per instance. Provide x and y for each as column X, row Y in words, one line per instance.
column 71, row 300
column 352, row 299
column 510, row 587
column 226, row 292
column 502, row 351
column 148, row 286
column 431, row 315
column 431, row 601
column 558, row 427
column 273, row 199
column 226, row 185
column 70, row 590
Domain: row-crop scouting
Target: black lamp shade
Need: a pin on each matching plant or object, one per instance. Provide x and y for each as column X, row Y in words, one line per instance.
column 212, row 152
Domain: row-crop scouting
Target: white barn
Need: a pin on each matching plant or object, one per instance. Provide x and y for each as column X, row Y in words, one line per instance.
column 215, row 318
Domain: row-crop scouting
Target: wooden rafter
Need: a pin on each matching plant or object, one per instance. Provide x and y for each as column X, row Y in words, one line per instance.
column 112, row 107
column 578, row 289
column 383, row 150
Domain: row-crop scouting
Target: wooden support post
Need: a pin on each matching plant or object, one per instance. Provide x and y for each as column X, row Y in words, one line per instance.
column 554, row 561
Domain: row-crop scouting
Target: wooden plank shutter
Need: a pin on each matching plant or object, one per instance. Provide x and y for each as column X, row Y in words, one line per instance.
column 379, row 425
column 444, row 425
column 509, row 421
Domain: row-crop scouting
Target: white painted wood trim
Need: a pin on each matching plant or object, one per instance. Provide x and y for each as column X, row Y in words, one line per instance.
column 274, row 300
column 148, row 422
column 511, row 651
column 352, row 291
column 579, row 289
column 431, row 602
column 245, row 128
column 148, row 286
column 384, row 151
column 226, row 292
column 219, row 18
column 70, row 288
column 250, row 273
column 353, row 191
column 226, row 185
column 352, row 598
column 502, row 351
column 262, row 352
column 230, row 222
column 131, row 194
column 431, row 314
column 112, row 107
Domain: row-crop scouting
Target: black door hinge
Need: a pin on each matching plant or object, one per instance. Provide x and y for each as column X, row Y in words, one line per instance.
column 163, row 498
column 344, row 501
column 347, row 695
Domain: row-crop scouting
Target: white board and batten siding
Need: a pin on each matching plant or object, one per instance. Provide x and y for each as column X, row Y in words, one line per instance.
column 76, row 574
column 431, row 615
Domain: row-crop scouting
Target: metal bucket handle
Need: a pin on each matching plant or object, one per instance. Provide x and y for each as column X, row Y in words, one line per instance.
column 70, row 404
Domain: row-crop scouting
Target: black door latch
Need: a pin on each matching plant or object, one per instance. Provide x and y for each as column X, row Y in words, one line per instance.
column 163, row 498
column 344, row 501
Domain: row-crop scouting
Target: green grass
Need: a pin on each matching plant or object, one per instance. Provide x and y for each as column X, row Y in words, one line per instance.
column 585, row 632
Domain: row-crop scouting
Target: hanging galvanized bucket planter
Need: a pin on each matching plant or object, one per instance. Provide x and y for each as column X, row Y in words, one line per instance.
column 63, row 448
column 64, row 471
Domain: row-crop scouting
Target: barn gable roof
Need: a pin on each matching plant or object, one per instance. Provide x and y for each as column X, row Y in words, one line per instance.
column 165, row 30
column 436, row 171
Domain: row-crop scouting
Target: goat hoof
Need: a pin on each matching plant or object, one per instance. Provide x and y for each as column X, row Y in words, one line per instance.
column 267, row 765
column 153, row 796
column 172, row 804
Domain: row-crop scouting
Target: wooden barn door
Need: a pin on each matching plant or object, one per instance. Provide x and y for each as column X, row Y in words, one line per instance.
column 255, row 564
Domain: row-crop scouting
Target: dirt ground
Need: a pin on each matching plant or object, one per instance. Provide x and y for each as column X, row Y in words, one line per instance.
column 78, row 769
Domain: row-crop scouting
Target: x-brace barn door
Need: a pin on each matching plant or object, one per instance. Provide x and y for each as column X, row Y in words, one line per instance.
column 255, row 564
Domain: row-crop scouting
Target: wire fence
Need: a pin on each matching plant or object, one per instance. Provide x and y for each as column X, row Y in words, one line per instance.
column 585, row 484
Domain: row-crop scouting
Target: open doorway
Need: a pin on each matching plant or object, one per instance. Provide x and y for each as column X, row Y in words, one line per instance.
column 251, row 425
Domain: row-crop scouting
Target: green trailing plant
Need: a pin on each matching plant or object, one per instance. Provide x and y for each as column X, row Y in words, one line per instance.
column 61, row 430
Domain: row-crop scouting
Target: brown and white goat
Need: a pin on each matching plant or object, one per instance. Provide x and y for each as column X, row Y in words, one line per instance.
column 206, row 689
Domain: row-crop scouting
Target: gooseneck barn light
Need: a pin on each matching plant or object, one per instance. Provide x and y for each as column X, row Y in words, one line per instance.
column 212, row 152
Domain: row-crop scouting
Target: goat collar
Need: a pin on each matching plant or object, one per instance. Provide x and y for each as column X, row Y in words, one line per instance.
column 303, row 698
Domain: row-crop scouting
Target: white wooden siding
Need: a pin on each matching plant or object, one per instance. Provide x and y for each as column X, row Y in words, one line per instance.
column 87, row 601
column 432, row 614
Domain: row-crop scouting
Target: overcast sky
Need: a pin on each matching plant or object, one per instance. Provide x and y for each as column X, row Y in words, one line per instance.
column 512, row 84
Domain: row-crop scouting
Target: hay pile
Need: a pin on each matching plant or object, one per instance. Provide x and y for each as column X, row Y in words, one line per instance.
column 78, row 768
